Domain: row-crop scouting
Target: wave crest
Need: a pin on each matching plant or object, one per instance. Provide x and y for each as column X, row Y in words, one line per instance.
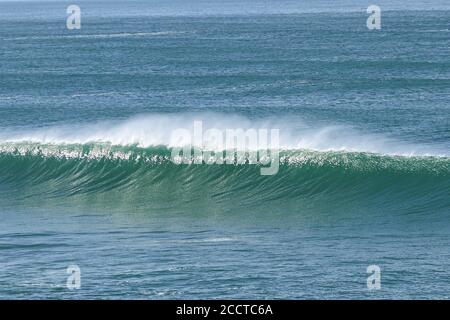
column 156, row 130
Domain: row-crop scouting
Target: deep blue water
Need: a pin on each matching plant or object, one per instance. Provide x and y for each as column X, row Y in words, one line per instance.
column 365, row 128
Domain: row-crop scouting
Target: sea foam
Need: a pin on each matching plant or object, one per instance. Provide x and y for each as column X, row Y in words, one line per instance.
column 156, row 130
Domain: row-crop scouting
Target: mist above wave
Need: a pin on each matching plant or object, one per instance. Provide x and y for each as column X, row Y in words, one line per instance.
column 157, row 130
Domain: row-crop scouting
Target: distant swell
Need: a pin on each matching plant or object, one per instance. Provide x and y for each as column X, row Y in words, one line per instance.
column 98, row 36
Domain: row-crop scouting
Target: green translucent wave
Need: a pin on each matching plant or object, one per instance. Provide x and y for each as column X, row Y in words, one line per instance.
column 139, row 177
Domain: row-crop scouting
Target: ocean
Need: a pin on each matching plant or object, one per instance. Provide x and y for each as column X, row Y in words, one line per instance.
column 87, row 177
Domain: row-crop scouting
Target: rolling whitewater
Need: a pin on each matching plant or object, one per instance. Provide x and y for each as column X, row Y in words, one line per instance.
column 87, row 176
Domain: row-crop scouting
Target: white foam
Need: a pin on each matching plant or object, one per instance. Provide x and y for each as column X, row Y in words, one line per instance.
column 156, row 129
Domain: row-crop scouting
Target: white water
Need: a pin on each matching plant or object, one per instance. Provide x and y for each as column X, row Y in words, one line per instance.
column 157, row 129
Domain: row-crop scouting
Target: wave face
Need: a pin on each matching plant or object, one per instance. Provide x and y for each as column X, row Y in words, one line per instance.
column 128, row 163
column 147, row 178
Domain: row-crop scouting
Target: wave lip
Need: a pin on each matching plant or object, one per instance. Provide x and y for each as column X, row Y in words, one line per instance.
column 157, row 130
column 162, row 155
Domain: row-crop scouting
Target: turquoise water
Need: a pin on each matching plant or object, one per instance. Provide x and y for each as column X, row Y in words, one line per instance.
column 86, row 176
